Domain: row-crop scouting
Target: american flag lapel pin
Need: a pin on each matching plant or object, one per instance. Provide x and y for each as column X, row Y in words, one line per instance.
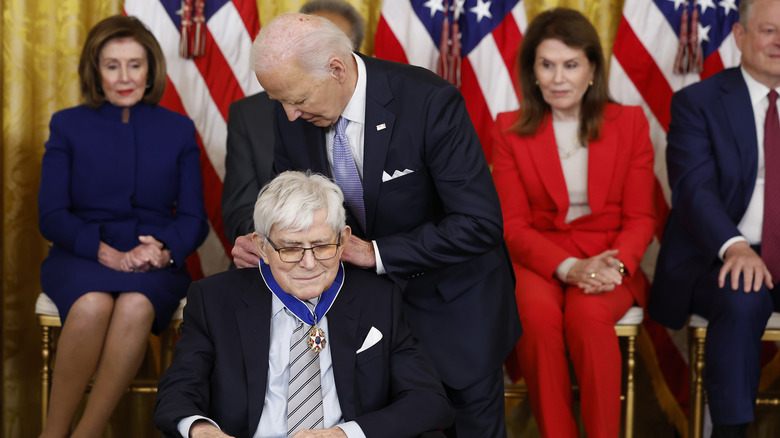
column 381, row 126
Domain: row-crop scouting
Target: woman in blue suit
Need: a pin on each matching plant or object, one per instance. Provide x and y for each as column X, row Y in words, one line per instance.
column 121, row 201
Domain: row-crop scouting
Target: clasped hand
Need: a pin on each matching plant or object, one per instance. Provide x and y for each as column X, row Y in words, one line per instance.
column 147, row 256
column 597, row 274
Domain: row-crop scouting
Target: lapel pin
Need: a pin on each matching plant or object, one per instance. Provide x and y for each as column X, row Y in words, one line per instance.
column 380, row 126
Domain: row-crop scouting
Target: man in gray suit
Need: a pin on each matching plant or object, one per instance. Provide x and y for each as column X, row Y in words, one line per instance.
column 250, row 140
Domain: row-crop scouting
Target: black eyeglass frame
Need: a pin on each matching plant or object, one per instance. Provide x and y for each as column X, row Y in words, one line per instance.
column 303, row 252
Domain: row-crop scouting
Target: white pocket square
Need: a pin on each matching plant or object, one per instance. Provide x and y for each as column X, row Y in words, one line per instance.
column 397, row 174
column 374, row 336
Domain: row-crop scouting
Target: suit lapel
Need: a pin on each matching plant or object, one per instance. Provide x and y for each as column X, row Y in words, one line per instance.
column 545, row 157
column 739, row 111
column 379, row 125
column 343, row 326
column 255, row 333
column 601, row 160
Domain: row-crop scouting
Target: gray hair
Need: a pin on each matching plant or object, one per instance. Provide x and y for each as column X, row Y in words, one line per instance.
column 290, row 200
column 308, row 39
column 356, row 22
column 745, row 9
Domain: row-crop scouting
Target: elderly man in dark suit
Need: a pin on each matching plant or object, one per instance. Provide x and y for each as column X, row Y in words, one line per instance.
column 720, row 253
column 424, row 210
column 250, row 140
column 308, row 346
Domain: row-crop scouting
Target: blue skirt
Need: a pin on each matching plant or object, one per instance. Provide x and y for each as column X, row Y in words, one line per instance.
column 65, row 277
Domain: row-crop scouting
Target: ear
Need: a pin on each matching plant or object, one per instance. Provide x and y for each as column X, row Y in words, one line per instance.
column 338, row 69
column 259, row 242
column 739, row 32
column 345, row 234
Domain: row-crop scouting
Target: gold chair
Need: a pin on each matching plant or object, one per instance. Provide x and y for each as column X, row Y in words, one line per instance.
column 697, row 332
column 49, row 320
column 628, row 327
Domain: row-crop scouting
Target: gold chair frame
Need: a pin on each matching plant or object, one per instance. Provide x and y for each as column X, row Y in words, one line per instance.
column 696, row 338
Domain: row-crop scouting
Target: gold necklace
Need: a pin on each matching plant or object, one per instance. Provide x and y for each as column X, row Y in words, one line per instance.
column 567, row 153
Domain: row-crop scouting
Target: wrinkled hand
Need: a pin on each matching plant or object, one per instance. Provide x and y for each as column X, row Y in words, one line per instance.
column 204, row 429
column 245, row 253
column 741, row 259
column 147, row 256
column 333, row 432
column 359, row 252
column 606, row 268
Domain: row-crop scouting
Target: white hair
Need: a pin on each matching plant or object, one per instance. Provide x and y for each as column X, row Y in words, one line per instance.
column 310, row 40
column 290, row 201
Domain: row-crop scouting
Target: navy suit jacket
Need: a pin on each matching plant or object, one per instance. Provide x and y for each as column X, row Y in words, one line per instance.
column 439, row 230
column 712, row 159
column 248, row 162
column 220, row 367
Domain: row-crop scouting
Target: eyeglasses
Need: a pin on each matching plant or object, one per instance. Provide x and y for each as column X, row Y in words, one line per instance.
column 293, row 254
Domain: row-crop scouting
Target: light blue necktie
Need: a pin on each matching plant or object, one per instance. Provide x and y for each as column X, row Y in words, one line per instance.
column 346, row 174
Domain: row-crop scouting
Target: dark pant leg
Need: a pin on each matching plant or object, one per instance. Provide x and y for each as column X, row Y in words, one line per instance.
column 479, row 409
column 733, row 348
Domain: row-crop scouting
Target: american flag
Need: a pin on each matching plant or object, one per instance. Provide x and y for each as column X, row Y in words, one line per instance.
column 203, row 88
column 480, row 36
column 642, row 67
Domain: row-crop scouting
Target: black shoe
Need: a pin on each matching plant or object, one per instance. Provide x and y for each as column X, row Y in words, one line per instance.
column 730, row 431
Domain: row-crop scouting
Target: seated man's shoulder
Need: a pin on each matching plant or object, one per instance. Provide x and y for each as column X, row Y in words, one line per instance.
column 236, row 278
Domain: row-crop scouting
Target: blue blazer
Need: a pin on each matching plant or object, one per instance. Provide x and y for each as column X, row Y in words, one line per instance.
column 220, row 368
column 712, row 160
column 439, row 229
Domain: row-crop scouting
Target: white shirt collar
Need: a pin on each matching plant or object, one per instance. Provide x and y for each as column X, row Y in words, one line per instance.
column 758, row 91
column 355, row 110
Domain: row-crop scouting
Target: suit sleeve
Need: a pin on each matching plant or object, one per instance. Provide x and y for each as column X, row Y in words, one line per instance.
column 638, row 216
column 243, row 180
column 471, row 224
column 184, row 388
column 56, row 222
column 693, row 177
column 418, row 402
column 526, row 245
column 190, row 226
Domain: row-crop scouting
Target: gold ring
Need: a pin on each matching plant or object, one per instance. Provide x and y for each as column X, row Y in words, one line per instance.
column 132, row 270
column 592, row 275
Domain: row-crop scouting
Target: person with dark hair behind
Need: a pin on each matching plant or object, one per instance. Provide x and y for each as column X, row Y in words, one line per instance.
column 574, row 173
column 121, row 201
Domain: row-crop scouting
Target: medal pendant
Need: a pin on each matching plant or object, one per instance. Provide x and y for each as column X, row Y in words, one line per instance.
column 316, row 339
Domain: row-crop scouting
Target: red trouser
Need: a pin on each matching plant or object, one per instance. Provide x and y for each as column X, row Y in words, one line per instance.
column 553, row 319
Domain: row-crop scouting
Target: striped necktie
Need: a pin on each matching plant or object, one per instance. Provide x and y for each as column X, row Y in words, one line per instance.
column 770, row 235
column 304, row 396
column 346, row 174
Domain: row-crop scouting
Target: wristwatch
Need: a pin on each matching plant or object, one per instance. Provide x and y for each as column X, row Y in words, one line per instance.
column 622, row 269
column 165, row 246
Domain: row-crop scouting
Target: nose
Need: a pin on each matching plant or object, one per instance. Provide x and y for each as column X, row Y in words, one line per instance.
column 292, row 111
column 308, row 261
column 123, row 73
column 558, row 77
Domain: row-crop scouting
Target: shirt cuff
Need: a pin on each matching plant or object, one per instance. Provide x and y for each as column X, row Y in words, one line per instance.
column 185, row 424
column 352, row 429
column 380, row 267
column 733, row 240
column 563, row 269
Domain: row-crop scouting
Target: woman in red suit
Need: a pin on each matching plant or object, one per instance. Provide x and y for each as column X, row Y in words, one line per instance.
column 575, row 176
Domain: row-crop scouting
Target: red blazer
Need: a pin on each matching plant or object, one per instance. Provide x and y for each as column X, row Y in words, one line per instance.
column 534, row 199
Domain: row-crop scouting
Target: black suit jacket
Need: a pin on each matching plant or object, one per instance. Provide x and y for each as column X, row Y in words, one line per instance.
column 220, row 367
column 439, row 230
column 248, row 162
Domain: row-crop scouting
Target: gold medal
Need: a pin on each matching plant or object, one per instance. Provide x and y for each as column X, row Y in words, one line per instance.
column 316, row 339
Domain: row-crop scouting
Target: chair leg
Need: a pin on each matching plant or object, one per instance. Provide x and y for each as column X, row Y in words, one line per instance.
column 696, row 390
column 167, row 342
column 630, row 365
column 46, row 343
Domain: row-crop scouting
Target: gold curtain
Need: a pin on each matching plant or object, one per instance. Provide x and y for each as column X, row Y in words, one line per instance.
column 41, row 41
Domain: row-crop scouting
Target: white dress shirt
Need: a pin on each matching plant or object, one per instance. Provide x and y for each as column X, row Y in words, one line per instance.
column 273, row 421
column 355, row 112
column 751, row 223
